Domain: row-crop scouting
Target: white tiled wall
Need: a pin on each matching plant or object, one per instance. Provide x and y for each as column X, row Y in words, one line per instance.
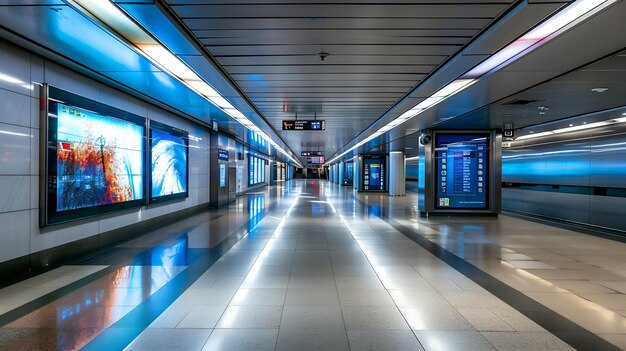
column 20, row 234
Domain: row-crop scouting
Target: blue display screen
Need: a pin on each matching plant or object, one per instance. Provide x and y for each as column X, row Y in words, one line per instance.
column 222, row 175
column 99, row 159
column 374, row 173
column 461, row 164
column 348, row 173
column 168, row 164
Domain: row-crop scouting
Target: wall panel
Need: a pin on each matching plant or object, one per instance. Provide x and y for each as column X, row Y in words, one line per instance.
column 20, row 233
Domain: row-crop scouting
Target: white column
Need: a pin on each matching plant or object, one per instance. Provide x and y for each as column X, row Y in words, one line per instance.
column 397, row 173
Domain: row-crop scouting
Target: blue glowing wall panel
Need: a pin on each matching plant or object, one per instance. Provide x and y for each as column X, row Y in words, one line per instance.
column 461, row 171
column 99, row 159
column 168, row 162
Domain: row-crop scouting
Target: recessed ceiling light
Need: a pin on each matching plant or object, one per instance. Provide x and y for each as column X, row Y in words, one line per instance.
column 599, row 90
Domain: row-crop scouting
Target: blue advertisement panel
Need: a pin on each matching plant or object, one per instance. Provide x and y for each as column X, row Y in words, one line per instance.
column 256, row 170
column 95, row 162
column 99, row 159
column 222, row 175
column 461, row 170
column 348, row 173
column 374, row 173
column 168, row 162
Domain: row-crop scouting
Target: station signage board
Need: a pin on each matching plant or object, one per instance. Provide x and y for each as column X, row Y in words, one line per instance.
column 222, row 154
column 303, row 124
column 311, row 153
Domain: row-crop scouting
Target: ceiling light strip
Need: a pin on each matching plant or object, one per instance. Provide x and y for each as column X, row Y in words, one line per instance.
column 609, row 122
column 564, row 19
column 113, row 17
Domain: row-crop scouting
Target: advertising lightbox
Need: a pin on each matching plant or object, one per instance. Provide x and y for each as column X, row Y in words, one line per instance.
column 169, row 151
column 94, row 158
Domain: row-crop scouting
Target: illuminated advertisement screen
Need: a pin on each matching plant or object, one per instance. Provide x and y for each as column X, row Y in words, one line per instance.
column 168, row 162
column 461, row 170
column 256, row 170
column 315, row 160
column 348, row 173
column 222, row 175
column 95, row 158
column 374, row 173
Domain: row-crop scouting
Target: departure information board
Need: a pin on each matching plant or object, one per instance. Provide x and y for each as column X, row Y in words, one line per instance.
column 312, row 153
column 461, row 163
column 303, row 124
column 374, row 173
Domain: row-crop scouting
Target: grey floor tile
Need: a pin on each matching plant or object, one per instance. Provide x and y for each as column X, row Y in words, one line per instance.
column 259, row 297
column 311, row 317
column 311, row 270
column 312, row 297
column 418, row 298
column 358, row 283
column 252, row 317
column 516, row 320
column 312, row 340
column 266, row 282
column 171, row 316
column 378, row 317
column 484, row 320
column 155, row 339
column 406, row 283
column 453, row 340
column 446, row 318
column 207, row 297
column 242, row 339
column 383, row 340
column 522, row 341
column 202, row 317
column 354, row 271
column 315, row 282
column 365, row 297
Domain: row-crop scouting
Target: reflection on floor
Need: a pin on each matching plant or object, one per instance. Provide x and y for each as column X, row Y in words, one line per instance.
column 312, row 266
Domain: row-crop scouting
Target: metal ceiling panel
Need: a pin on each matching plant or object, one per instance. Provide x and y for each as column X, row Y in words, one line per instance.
column 313, row 59
column 372, row 23
column 357, row 2
column 335, row 49
column 378, row 52
column 429, row 10
column 514, row 24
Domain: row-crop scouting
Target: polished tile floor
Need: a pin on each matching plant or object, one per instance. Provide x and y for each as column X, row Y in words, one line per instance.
column 309, row 265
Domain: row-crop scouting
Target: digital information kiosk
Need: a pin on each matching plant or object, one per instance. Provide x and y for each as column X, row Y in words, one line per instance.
column 461, row 173
column 372, row 173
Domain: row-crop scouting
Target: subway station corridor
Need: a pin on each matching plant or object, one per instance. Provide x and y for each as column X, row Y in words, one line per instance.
column 310, row 265
column 312, row 175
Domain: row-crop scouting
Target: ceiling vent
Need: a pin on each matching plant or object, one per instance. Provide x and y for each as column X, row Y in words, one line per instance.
column 520, row 102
